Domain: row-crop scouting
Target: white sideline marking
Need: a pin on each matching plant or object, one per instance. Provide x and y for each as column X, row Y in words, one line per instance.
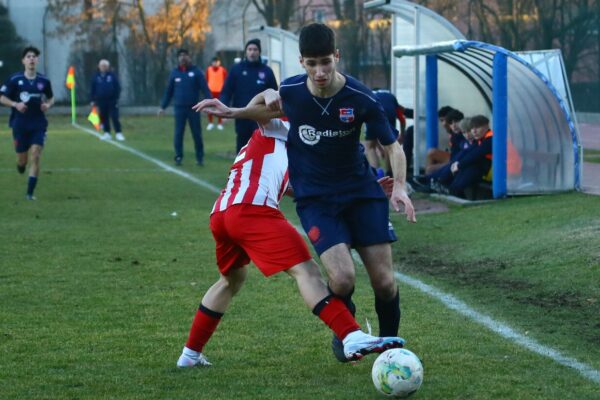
column 501, row 329
column 448, row 300
column 153, row 160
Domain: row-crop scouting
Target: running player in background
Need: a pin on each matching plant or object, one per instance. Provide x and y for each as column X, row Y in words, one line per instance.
column 247, row 225
column 29, row 94
column 337, row 196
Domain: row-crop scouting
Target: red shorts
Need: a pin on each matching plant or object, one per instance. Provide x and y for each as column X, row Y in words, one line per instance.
column 245, row 232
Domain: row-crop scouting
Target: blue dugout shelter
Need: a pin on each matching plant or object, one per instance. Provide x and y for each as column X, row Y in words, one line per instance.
column 529, row 117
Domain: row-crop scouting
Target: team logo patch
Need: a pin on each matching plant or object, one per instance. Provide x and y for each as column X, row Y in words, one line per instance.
column 20, row 83
column 3, row 88
column 347, row 115
column 177, row 79
column 244, row 72
column 40, row 86
column 261, row 75
column 109, row 78
column 314, row 234
column 191, row 74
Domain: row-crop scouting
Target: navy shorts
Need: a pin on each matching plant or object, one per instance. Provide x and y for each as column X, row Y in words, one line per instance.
column 25, row 138
column 357, row 222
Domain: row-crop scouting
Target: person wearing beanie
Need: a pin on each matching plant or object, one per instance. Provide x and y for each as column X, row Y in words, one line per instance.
column 245, row 80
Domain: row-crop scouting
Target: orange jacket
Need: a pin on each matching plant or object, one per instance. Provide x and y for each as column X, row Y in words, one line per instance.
column 215, row 76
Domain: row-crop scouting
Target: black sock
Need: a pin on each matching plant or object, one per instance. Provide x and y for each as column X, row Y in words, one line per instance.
column 347, row 299
column 31, row 185
column 21, row 168
column 388, row 314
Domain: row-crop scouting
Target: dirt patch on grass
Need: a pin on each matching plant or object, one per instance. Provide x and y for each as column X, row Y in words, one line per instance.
column 569, row 308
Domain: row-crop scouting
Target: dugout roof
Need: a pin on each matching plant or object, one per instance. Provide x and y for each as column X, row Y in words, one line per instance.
column 538, row 121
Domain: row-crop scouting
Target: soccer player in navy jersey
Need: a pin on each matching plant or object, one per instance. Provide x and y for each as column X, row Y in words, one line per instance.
column 339, row 202
column 247, row 225
column 29, row 94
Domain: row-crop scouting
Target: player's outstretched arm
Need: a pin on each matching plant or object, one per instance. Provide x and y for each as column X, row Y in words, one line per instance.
column 399, row 195
column 256, row 112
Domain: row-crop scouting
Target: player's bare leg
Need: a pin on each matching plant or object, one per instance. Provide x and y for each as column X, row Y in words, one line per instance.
column 378, row 262
column 214, row 304
column 21, row 162
column 333, row 312
column 35, row 154
column 340, row 269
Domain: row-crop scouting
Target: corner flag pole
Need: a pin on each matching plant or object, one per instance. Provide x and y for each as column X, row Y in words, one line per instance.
column 70, row 84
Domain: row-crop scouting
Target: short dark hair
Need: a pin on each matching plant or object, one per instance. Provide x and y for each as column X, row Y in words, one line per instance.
column 215, row 58
column 31, row 49
column 182, row 51
column 316, row 40
column 442, row 112
column 479, row 120
column 454, row 116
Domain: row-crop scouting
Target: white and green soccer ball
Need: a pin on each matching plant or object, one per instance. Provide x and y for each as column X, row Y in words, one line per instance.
column 397, row 373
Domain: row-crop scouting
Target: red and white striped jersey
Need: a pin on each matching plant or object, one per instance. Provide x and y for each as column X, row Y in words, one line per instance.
column 259, row 174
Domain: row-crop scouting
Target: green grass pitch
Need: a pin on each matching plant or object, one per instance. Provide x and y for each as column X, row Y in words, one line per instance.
column 99, row 282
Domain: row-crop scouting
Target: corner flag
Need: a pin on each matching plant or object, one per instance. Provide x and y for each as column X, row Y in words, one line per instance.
column 70, row 82
column 94, row 118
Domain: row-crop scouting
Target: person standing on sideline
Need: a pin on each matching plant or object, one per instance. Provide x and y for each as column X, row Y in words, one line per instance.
column 29, row 94
column 245, row 80
column 247, row 225
column 339, row 202
column 185, row 84
column 105, row 92
column 215, row 76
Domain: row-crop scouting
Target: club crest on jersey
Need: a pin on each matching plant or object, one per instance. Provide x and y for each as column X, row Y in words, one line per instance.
column 347, row 115
column 261, row 75
column 40, row 86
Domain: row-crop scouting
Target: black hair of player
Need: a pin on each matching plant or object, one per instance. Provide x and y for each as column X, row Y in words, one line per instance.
column 31, row 49
column 316, row 40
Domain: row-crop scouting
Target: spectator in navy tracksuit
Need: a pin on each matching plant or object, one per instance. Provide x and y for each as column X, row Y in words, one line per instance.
column 245, row 80
column 105, row 94
column 185, row 84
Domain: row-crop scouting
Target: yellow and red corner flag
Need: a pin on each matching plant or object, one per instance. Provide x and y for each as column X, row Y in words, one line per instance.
column 94, row 118
column 70, row 82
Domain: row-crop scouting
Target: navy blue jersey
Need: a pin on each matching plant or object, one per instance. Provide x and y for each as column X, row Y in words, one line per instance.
column 105, row 87
column 324, row 150
column 31, row 92
column 245, row 80
column 184, row 86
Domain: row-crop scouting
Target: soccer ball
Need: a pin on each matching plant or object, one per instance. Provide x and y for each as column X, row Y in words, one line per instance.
column 397, row 373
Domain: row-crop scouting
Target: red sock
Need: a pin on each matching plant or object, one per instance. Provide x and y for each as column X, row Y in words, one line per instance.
column 337, row 317
column 205, row 323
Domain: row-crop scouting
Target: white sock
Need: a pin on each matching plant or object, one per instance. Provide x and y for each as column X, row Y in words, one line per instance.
column 193, row 354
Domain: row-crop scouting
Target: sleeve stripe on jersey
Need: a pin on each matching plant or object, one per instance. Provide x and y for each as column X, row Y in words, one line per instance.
column 364, row 94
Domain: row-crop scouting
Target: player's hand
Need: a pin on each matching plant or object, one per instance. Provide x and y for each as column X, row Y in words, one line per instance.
column 214, row 107
column 21, row 107
column 160, row 112
column 45, row 107
column 454, row 167
column 387, row 184
column 273, row 100
column 399, row 195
